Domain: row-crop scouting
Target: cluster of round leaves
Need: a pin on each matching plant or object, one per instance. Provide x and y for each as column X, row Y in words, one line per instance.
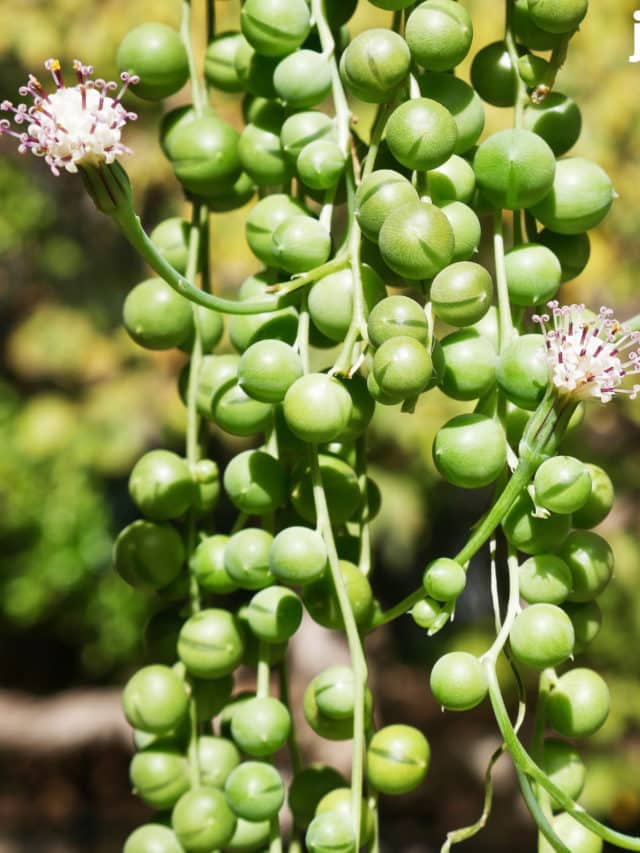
column 417, row 238
column 275, row 60
column 563, row 573
column 418, row 210
column 237, row 798
column 240, row 791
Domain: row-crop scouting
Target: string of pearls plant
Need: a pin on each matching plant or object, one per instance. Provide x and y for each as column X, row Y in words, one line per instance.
column 340, row 216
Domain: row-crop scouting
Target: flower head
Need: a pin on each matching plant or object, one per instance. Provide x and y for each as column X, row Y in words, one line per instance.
column 589, row 356
column 75, row 125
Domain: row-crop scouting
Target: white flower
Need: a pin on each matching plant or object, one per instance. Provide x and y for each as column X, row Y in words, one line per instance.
column 74, row 125
column 589, row 356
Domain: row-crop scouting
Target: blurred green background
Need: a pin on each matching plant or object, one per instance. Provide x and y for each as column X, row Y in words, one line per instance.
column 79, row 403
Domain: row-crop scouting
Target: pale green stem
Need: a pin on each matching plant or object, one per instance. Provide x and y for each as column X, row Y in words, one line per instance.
column 199, row 221
column 521, row 100
column 356, row 652
column 465, row 832
column 295, row 756
column 275, row 839
column 547, row 677
column 263, row 685
column 516, row 484
column 263, row 681
column 358, row 326
column 489, row 659
column 558, row 57
column 429, row 316
column 139, row 239
column 301, row 343
column 197, row 94
column 192, row 751
column 493, row 583
column 294, row 750
column 340, row 104
column 377, row 129
column 239, row 523
column 364, row 557
column 414, row 87
column 326, row 214
column 527, row 765
column 343, row 121
column 521, row 90
column 545, row 682
column 193, row 418
column 513, row 608
column 505, row 322
column 545, row 830
column 271, row 441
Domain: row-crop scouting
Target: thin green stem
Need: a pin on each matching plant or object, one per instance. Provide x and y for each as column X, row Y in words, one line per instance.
column 513, row 606
column 557, row 60
column 302, row 280
column 493, row 583
column 301, row 343
column 542, row 435
column 192, row 750
column 545, row 829
column 466, row 832
column 547, row 677
column 275, row 839
column 505, row 322
column 356, row 652
column 511, row 491
column 197, row 94
column 364, row 557
column 521, row 96
column 326, row 214
column 519, row 480
column 340, row 103
column 375, row 138
column 357, row 330
column 527, row 765
column 205, row 253
column 285, row 697
column 239, row 523
column 263, row 681
column 195, row 601
column 199, row 221
column 139, row 239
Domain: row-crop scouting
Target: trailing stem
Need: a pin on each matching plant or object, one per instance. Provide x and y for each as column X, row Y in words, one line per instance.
column 358, row 661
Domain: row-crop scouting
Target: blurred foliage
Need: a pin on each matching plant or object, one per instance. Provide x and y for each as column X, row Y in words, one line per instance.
column 79, row 402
